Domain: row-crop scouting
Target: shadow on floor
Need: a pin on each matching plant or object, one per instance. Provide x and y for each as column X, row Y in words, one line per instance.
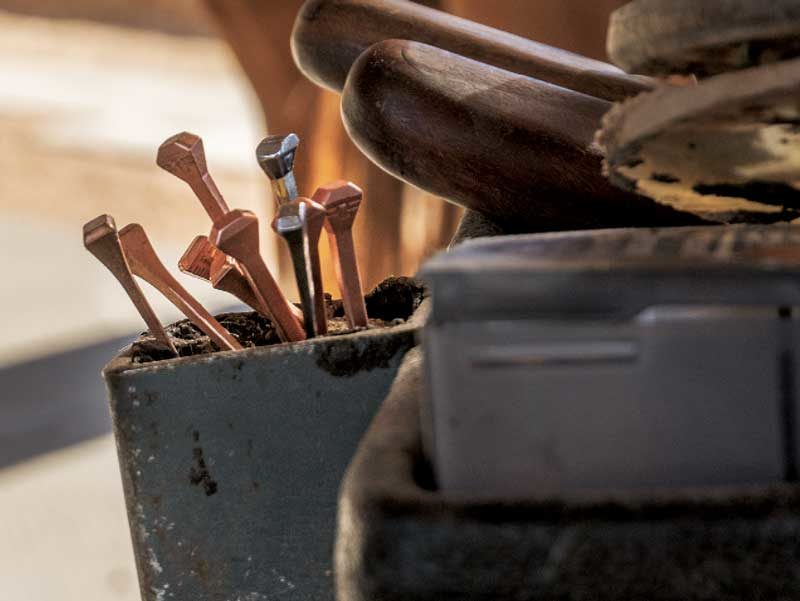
column 55, row 401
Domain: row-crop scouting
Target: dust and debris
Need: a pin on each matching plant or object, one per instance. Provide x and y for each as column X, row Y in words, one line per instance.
column 389, row 304
column 199, row 473
column 355, row 356
column 395, row 298
column 251, row 596
column 153, row 561
column 283, row 580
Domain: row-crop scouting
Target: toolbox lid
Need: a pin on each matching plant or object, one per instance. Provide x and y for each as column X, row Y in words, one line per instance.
column 614, row 273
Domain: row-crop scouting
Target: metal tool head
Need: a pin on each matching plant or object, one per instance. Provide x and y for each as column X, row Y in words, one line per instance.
column 236, row 234
column 183, row 156
column 290, row 218
column 198, row 258
column 223, row 266
column 341, row 200
column 311, row 216
column 290, row 224
column 315, row 218
column 145, row 264
column 134, row 237
column 100, row 237
column 275, row 154
column 96, row 230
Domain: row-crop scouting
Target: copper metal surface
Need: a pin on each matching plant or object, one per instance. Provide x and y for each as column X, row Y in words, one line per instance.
column 197, row 258
column 341, row 200
column 101, row 239
column 205, row 261
column 183, row 156
column 237, row 235
column 275, row 155
column 229, row 274
column 145, row 263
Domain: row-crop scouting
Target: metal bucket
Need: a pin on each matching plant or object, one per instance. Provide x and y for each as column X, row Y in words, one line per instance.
column 231, row 462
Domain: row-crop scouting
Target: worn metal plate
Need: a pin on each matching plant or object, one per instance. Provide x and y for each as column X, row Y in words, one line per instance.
column 231, row 462
column 726, row 149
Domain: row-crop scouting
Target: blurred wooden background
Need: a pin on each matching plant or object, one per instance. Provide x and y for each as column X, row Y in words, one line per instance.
column 399, row 225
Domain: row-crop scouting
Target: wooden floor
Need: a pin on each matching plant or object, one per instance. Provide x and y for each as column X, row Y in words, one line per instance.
column 83, row 108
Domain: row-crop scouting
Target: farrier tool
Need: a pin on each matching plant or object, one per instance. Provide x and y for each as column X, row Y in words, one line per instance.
column 236, row 233
column 205, row 261
column 144, row 262
column 299, row 222
column 100, row 238
column 341, row 201
column 275, row 155
column 183, row 156
column 290, row 224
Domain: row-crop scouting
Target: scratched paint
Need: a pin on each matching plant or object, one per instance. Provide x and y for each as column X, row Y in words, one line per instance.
column 231, row 478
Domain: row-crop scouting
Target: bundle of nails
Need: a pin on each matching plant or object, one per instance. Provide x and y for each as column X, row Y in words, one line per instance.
column 229, row 256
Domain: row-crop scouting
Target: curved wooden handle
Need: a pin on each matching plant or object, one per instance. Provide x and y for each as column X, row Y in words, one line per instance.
column 517, row 149
column 329, row 35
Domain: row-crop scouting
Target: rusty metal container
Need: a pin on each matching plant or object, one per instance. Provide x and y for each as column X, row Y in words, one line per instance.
column 231, row 462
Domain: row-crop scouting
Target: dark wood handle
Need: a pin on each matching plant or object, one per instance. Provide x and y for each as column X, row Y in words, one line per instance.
column 517, row 149
column 329, row 35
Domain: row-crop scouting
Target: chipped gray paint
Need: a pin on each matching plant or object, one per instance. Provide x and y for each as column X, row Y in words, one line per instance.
column 231, row 462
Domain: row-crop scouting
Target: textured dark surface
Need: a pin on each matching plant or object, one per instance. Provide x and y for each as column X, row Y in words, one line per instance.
column 391, row 302
column 399, row 539
column 231, row 462
column 475, row 225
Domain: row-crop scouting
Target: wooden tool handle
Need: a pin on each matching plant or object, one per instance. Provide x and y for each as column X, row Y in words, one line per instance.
column 517, row 149
column 329, row 35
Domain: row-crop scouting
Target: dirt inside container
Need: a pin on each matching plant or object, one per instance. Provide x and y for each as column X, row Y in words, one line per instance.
column 390, row 303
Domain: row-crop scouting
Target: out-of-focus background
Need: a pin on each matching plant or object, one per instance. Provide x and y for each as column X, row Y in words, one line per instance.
column 88, row 90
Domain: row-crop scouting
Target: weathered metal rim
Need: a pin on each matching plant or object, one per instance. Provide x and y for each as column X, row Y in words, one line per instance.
column 122, row 363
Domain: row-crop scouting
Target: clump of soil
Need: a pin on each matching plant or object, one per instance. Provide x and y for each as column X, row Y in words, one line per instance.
column 390, row 303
